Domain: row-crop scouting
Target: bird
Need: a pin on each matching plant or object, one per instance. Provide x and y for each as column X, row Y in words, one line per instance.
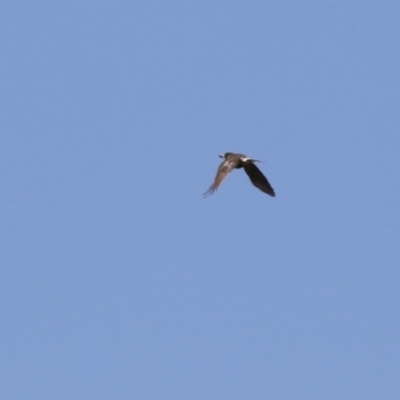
column 237, row 160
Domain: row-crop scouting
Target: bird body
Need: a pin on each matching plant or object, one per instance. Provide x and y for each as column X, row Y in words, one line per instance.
column 237, row 161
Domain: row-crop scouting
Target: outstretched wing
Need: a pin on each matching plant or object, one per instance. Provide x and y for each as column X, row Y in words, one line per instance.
column 223, row 171
column 258, row 179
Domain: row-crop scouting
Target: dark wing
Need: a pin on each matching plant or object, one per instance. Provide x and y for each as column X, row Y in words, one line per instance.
column 223, row 171
column 258, row 179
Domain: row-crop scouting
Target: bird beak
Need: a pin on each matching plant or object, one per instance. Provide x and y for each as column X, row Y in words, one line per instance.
column 221, row 155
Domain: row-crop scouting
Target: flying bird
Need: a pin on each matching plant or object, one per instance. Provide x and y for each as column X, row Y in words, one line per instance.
column 233, row 160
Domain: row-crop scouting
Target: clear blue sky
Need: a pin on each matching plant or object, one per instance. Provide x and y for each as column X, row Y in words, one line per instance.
column 119, row 281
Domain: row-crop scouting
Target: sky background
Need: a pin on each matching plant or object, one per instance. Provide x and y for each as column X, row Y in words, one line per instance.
column 118, row 280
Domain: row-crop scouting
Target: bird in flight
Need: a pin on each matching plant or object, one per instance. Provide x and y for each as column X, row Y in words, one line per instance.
column 233, row 160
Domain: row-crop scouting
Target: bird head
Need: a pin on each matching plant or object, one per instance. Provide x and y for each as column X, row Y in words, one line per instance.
column 224, row 155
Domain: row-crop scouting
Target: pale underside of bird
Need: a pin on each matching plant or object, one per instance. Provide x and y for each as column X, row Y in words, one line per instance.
column 236, row 160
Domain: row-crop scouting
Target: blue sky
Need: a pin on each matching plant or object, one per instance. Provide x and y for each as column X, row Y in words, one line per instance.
column 119, row 281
